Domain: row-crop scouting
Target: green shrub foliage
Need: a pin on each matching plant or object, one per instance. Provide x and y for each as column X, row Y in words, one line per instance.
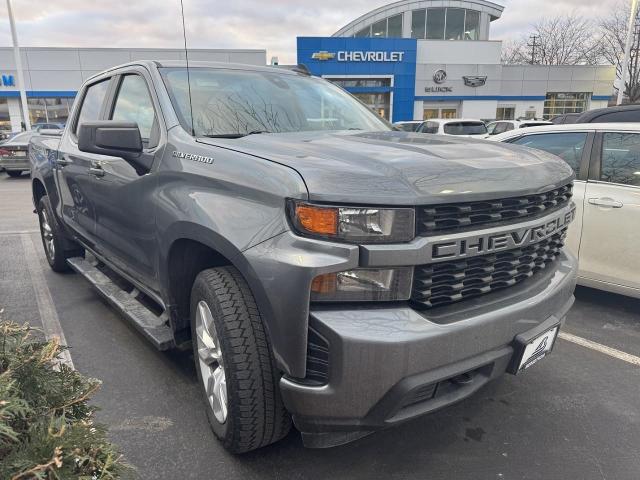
column 46, row 423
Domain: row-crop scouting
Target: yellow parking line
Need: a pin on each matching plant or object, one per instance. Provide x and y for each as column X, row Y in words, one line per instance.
column 612, row 352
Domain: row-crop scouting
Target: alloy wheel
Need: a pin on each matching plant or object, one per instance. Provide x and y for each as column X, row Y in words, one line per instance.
column 211, row 362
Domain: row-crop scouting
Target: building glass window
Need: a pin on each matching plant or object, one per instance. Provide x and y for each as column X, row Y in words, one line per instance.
column 435, row 23
column 361, row 82
column 379, row 29
column 558, row 103
column 418, row 23
column 378, row 102
column 505, row 113
column 394, row 26
column 455, row 24
column 49, row 110
column 472, row 25
column 5, row 120
column 365, row 32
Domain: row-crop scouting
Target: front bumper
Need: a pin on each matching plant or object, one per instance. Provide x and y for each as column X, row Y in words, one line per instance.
column 390, row 364
column 14, row 163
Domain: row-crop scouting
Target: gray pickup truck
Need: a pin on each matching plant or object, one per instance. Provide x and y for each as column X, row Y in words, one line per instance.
column 326, row 269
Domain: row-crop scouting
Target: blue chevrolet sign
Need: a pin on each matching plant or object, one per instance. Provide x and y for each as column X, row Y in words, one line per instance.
column 366, row 58
column 8, row 81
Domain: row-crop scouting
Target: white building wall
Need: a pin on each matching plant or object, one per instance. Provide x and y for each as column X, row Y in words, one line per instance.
column 482, row 109
column 15, row 115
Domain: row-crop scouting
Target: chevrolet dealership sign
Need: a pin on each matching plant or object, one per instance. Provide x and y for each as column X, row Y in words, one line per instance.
column 359, row 56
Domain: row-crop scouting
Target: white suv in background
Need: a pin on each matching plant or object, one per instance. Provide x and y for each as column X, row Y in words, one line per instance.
column 605, row 235
column 461, row 127
column 503, row 126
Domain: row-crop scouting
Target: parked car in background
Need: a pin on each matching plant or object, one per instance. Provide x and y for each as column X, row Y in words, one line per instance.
column 565, row 118
column 606, row 160
column 37, row 127
column 501, row 126
column 408, row 126
column 13, row 154
column 461, row 127
column 617, row 114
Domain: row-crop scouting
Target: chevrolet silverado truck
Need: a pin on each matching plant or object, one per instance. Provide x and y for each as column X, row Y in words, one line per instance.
column 328, row 270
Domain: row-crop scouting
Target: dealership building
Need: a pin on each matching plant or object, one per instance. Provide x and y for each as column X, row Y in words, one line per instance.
column 53, row 76
column 419, row 59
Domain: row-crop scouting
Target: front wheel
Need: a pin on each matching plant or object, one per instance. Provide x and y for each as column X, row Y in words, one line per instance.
column 55, row 247
column 234, row 362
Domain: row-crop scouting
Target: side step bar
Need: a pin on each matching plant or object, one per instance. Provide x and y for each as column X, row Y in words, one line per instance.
column 152, row 326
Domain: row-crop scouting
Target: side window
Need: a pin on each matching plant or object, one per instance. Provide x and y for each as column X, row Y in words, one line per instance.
column 134, row 104
column 621, row 158
column 430, row 127
column 508, row 126
column 491, row 127
column 92, row 103
column 500, row 127
column 568, row 146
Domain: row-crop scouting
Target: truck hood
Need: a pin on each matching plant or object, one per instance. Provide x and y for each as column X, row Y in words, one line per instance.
column 405, row 168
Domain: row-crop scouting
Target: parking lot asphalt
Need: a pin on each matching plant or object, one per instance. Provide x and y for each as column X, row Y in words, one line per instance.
column 574, row 415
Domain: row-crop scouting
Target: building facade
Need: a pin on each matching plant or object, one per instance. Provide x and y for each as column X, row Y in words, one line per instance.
column 53, row 75
column 419, row 59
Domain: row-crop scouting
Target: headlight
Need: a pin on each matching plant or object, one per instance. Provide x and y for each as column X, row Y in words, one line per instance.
column 354, row 224
column 363, row 285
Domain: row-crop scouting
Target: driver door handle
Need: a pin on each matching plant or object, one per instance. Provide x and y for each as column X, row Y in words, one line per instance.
column 96, row 170
column 606, row 202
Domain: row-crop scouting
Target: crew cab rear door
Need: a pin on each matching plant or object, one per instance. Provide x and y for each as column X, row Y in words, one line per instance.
column 126, row 193
column 74, row 177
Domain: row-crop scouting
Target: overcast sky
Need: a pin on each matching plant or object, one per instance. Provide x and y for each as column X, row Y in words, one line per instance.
column 269, row 24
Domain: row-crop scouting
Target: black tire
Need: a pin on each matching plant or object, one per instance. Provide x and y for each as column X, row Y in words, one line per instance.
column 14, row 173
column 255, row 413
column 57, row 257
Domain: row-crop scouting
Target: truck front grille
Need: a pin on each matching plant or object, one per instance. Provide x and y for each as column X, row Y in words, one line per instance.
column 468, row 215
column 448, row 282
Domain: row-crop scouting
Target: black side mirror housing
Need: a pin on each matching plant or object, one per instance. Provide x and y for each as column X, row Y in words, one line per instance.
column 113, row 138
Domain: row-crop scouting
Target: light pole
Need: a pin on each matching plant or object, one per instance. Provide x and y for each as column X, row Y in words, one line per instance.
column 627, row 49
column 18, row 60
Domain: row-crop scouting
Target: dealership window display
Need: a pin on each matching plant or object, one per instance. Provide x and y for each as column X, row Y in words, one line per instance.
column 5, row 120
column 49, row 110
column 390, row 27
column 505, row 113
column 445, row 24
column 557, row 103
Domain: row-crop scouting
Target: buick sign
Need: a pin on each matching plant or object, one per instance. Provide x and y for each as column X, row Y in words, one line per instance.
column 439, row 76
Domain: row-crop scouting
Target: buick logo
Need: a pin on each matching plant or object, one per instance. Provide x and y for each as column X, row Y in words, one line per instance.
column 439, row 76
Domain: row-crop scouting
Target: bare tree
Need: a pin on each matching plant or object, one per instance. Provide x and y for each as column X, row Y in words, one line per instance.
column 563, row 40
column 613, row 37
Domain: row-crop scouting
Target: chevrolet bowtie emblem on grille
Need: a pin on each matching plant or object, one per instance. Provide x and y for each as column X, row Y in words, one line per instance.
column 474, row 80
column 323, row 55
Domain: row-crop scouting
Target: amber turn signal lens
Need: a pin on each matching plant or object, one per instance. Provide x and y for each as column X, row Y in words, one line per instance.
column 325, row 283
column 320, row 220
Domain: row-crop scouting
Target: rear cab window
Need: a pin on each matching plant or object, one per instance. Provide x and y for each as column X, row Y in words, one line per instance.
column 465, row 128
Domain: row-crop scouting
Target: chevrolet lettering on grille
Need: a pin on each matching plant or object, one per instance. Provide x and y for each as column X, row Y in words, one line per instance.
column 462, row 246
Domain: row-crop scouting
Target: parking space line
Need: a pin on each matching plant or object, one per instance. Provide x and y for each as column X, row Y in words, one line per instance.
column 612, row 352
column 46, row 308
column 18, row 232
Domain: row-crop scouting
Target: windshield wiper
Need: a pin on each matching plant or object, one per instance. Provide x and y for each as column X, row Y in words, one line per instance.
column 235, row 135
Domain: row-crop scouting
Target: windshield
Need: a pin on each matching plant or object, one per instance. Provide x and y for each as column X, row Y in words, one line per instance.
column 465, row 128
column 237, row 102
column 21, row 138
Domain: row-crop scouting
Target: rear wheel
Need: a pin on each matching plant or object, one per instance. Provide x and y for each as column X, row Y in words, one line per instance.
column 56, row 247
column 234, row 362
column 14, row 173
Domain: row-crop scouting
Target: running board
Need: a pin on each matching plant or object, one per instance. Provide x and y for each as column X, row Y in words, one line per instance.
column 152, row 326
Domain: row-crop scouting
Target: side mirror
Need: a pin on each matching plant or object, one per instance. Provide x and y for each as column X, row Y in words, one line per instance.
column 108, row 137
